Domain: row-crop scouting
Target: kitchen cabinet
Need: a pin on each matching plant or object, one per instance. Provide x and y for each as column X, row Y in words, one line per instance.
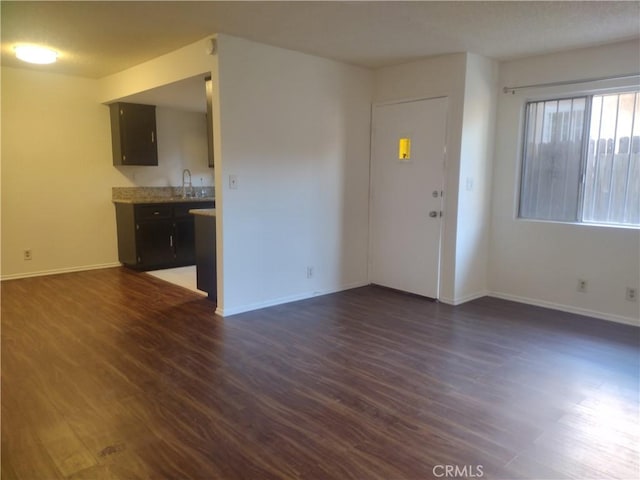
column 184, row 234
column 156, row 235
column 133, row 134
column 206, row 276
column 154, row 243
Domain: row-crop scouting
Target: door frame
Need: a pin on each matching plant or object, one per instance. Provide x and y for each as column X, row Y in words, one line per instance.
column 445, row 165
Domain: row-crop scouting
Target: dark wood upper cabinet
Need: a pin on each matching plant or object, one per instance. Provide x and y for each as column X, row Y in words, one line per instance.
column 133, row 134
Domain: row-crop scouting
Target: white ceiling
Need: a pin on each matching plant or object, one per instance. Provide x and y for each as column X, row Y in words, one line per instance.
column 97, row 38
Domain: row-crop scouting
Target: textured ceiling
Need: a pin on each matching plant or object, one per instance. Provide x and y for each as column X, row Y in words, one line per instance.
column 99, row 38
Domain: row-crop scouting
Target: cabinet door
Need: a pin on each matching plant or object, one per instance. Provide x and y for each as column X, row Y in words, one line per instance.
column 206, row 255
column 136, row 127
column 156, row 243
column 184, row 230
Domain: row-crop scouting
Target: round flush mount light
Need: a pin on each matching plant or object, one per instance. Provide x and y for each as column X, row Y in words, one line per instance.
column 36, row 54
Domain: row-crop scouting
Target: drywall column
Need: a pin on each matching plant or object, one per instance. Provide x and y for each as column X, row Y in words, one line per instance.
column 295, row 135
column 474, row 192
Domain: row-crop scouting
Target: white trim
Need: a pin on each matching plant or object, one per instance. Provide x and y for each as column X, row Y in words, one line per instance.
column 567, row 308
column 57, row 271
column 465, row 299
column 409, row 100
column 226, row 312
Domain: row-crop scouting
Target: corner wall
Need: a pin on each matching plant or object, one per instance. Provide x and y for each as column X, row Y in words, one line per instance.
column 295, row 132
column 475, row 181
column 469, row 82
column 540, row 262
column 57, row 175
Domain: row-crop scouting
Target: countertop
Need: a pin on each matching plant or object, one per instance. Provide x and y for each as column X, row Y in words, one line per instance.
column 141, row 195
column 205, row 212
column 139, row 200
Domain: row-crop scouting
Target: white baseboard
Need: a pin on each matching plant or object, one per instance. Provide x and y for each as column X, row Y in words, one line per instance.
column 568, row 308
column 226, row 312
column 56, row 271
column 465, row 299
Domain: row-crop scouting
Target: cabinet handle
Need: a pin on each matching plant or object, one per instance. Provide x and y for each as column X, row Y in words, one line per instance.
column 153, row 137
column 171, row 240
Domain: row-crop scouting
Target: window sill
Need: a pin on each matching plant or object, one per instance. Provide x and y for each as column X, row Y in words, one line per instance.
column 581, row 224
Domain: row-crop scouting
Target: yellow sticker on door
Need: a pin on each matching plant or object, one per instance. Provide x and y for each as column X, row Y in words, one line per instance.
column 404, row 149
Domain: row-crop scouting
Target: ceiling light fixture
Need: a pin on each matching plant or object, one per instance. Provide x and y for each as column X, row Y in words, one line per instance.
column 35, row 54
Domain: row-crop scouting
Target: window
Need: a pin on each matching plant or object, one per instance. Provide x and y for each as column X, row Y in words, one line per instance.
column 581, row 160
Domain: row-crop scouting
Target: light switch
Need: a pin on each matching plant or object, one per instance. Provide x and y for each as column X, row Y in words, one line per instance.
column 233, row 182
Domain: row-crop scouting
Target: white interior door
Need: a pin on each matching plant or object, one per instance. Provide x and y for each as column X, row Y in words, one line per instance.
column 406, row 195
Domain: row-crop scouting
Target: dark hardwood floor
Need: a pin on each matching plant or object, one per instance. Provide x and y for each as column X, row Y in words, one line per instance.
column 113, row 374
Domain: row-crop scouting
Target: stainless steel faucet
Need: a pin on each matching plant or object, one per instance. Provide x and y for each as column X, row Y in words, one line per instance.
column 187, row 172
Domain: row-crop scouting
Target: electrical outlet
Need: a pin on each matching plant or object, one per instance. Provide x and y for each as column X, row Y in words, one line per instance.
column 469, row 185
column 632, row 294
column 27, row 254
column 582, row 286
column 309, row 272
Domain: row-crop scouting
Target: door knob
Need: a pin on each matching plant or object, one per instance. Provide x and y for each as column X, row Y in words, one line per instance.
column 433, row 214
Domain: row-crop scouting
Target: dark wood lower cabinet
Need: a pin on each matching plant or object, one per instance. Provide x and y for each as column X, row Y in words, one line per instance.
column 185, row 240
column 154, row 243
column 206, row 269
column 156, row 235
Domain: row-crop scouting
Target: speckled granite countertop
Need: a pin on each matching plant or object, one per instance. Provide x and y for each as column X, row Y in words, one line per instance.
column 160, row 195
column 205, row 212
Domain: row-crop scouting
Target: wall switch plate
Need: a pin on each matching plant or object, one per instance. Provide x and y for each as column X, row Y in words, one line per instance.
column 233, row 182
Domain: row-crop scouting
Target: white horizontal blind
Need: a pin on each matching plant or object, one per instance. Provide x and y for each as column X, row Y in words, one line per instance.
column 552, row 159
column 612, row 174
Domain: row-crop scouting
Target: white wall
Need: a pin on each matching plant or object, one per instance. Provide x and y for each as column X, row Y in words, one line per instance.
column 295, row 131
column 476, row 160
column 57, row 171
column 538, row 262
column 57, row 175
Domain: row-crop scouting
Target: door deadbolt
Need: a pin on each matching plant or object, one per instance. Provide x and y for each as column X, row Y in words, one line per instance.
column 433, row 214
